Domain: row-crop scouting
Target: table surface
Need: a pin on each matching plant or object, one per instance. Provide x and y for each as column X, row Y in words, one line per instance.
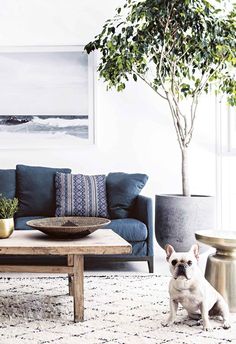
column 217, row 239
column 33, row 242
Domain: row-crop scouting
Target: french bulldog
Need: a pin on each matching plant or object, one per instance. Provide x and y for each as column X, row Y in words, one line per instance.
column 189, row 288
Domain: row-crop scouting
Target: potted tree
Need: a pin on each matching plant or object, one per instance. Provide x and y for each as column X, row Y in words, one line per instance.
column 8, row 207
column 180, row 49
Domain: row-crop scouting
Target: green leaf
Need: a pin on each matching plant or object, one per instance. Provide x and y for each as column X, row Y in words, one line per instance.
column 120, row 87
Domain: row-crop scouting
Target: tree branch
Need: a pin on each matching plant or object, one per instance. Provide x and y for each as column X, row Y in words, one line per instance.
column 197, row 93
column 150, row 85
column 176, row 124
column 211, row 74
column 163, row 49
column 194, row 106
column 178, row 112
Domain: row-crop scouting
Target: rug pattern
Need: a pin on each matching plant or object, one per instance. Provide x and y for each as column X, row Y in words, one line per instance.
column 119, row 309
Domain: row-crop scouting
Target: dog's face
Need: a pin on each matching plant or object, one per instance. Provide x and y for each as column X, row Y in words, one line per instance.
column 182, row 264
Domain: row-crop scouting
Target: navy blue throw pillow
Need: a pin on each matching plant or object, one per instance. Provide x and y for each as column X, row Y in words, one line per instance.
column 122, row 190
column 36, row 190
column 8, row 183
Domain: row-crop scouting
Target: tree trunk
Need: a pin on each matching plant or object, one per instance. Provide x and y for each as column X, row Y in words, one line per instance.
column 185, row 174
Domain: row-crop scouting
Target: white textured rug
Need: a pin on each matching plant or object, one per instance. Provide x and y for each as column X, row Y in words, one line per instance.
column 122, row 309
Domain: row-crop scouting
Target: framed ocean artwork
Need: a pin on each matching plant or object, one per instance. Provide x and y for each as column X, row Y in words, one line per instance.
column 46, row 97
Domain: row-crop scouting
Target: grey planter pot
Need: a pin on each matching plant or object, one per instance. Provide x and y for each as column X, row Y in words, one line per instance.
column 179, row 217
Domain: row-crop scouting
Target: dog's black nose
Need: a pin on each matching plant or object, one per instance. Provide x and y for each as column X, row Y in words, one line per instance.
column 181, row 267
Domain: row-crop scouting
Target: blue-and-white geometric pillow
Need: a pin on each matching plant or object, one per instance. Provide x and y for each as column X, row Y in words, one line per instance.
column 81, row 195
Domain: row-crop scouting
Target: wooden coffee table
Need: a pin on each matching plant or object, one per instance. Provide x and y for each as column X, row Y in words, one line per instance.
column 32, row 242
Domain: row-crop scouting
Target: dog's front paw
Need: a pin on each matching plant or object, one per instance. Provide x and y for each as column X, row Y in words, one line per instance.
column 226, row 325
column 166, row 323
column 207, row 327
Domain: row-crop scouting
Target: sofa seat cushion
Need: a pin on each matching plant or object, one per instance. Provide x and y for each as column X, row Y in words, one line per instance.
column 36, row 190
column 131, row 230
column 7, row 183
column 20, row 222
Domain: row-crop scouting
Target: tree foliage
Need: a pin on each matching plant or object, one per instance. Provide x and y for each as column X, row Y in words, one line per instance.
column 190, row 36
column 180, row 48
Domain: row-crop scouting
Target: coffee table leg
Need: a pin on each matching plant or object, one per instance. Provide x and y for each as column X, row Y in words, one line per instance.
column 78, row 288
column 70, row 282
column 70, row 262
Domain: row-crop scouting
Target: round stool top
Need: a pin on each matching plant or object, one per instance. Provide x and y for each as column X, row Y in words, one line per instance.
column 225, row 240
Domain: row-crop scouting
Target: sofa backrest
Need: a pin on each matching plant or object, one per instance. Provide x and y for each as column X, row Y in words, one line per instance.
column 8, row 183
column 35, row 189
column 34, row 186
column 122, row 191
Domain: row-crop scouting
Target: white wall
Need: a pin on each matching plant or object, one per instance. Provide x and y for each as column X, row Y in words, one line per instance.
column 226, row 169
column 134, row 128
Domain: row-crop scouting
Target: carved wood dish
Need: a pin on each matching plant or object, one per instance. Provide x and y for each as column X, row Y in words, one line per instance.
column 68, row 227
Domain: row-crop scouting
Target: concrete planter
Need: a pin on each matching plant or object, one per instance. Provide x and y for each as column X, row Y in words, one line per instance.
column 179, row 217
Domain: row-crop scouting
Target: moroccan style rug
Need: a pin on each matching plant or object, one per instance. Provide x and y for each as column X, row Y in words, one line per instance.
column 118, row 309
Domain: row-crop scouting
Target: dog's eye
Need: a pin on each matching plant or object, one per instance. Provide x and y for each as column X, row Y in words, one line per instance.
column 174, row 262
column 190, row 262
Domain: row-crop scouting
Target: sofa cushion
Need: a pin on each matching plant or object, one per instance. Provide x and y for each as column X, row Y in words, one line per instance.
column 122, row 190
column 80, row 195
column 20, row 222
column 35, row 187
column 129, row 229
column 8, row 183
column 139, row 249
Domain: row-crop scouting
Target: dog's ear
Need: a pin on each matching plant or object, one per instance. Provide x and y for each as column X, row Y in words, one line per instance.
column 169, row 250
column 195, row 250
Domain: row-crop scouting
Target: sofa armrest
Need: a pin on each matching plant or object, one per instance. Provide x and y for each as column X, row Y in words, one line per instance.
column 143, row 211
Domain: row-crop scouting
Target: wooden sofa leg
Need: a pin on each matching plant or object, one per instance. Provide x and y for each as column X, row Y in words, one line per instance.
column 150, row 265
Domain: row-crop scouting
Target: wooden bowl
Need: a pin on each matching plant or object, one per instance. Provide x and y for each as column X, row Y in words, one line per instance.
column 68, row 227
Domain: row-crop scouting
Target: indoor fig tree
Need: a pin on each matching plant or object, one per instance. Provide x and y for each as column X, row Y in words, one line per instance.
column 179, row 48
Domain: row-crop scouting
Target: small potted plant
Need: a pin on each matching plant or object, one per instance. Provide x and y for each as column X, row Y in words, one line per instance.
column 8, row 207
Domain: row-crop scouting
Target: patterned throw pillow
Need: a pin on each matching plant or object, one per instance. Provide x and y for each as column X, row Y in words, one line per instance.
column 80, row 195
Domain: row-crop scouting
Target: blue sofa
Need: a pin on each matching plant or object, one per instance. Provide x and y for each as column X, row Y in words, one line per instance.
column 35, row 189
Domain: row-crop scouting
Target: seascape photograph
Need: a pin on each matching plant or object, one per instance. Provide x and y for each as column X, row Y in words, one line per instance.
column 45, row 125
column 45, row 99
